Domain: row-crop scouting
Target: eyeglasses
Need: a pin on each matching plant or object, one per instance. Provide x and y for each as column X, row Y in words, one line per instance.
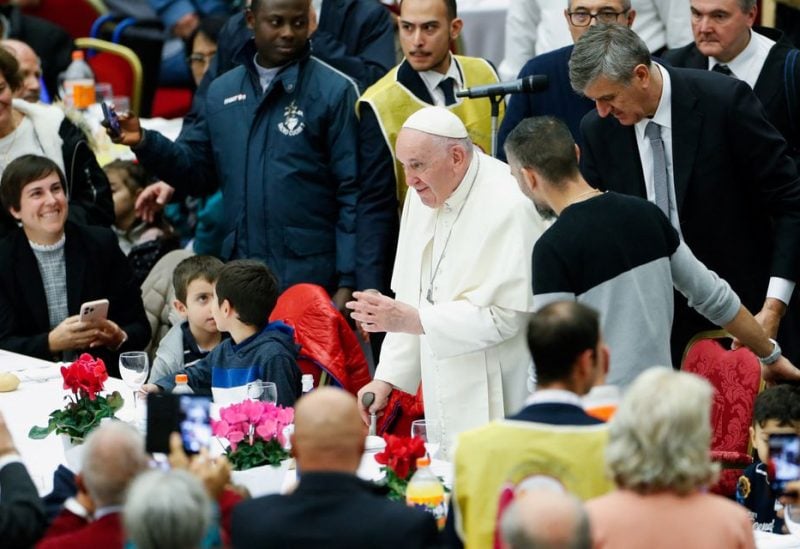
column 584, row 18
column 204, row 58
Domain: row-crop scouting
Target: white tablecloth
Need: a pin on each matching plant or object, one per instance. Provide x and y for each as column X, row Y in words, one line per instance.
column 484, row 28
column 39, row 393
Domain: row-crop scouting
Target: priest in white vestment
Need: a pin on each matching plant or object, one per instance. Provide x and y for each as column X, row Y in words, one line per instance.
column 462, row 280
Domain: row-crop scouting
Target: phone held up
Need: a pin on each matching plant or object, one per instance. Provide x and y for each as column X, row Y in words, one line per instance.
column 112, row 120
column 188, row 415
column 784, row 460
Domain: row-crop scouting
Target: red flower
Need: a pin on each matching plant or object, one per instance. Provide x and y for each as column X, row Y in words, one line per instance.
column 400, row 454
column 85, row 376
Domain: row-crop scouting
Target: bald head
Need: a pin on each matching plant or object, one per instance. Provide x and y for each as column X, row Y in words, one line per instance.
column 546, row 519
column 30, row 67
column 328, row 431
column 114, row 456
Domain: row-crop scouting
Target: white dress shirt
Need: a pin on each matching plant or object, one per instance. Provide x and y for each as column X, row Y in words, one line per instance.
column 748, row 64
column 663, row 23
column 431, row 79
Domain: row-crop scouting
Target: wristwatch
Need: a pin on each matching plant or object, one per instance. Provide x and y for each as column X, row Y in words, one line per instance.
column 773, row 357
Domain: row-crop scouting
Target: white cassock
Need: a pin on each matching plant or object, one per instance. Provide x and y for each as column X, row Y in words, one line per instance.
column 473, row 357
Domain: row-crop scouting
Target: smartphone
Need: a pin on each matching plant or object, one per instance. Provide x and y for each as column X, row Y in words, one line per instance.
column 111, row 118
column 94, row 310
column 188, row 415
column 784, row 460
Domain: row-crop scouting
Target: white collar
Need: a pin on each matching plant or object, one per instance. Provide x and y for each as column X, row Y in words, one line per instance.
column 432, row 79
column 459, row 196
column 554, row 396
column 752, row 57
column 663, row 114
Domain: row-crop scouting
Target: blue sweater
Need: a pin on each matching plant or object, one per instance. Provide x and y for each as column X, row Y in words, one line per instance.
column 269, row 355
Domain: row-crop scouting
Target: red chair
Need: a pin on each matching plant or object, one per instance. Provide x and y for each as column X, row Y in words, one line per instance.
column 736, row 378
column 74, row 16
column 329, row 349
column 116, row 64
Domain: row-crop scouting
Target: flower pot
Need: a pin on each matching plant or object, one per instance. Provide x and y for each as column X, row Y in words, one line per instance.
column 73, row 453
column 260, row 481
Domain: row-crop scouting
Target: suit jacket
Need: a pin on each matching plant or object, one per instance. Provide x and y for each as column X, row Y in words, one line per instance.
column 770, row 86
column 95, row 268
column 22, row 518
column 557, row 100
column 70, row 531
column 331, row 510
column 737, row 190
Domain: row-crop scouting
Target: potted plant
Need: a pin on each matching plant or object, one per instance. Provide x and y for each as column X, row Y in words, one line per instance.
column 256, row 444
column 399, row 460
column 85, row 407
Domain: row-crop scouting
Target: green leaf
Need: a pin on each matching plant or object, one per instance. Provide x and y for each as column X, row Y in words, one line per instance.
column 41, row 432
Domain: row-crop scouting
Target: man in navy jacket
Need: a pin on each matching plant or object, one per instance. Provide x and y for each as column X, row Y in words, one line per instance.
column 279, row 136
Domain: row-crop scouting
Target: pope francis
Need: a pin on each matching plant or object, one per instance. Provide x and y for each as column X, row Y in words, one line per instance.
column 462, row 277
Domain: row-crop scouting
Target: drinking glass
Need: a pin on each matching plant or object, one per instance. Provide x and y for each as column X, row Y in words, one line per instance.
column 428, row 430
column 133, row 368
column 265, row 391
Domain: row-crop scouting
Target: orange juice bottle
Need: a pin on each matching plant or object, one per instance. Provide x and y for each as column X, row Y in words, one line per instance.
column 426, row 492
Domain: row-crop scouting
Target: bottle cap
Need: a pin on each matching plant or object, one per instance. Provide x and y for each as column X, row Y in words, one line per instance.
column 424, row 461
column 181, row 378
column 77, row 54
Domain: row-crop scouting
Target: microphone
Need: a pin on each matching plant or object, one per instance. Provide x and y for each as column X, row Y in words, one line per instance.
column 529, row 84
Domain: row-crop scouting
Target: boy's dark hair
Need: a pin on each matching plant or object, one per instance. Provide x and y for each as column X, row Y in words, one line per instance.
column 23, row 170
column 206, row 267
column 557, row 334
column 450, row 5
column 9, row 68
column 777, row 403
column 250, row 288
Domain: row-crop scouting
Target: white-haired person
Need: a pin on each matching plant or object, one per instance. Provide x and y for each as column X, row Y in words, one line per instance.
column 658, row 456
column 167, row 509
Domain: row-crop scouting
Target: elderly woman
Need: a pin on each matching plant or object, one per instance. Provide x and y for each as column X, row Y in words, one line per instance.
column 33, row 128
column 52, row 266
column 658, row 456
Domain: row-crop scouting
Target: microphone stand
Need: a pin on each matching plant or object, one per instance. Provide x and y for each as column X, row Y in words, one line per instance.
column 495, row 100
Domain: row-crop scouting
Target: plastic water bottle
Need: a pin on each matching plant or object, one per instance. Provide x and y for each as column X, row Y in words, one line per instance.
column 308, row 383
column 425, row 491
column 79, row 83
column 182, row 385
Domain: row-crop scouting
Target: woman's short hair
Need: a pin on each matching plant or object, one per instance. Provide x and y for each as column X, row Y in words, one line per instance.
column 9, row 68
column 23, row 170
column 660, row 435
column 167, row 509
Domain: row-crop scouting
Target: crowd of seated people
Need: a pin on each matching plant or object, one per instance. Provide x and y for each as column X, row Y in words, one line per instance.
column 316, row 153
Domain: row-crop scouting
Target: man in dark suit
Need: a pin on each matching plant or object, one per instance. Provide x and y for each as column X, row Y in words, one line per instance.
column 331, row 507
column 698, row 145
column 725, row 41
column 22, row 518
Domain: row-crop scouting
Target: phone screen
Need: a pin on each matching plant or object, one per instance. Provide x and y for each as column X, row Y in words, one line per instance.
column 188, row 415
column 784, row 460
column 113, row 120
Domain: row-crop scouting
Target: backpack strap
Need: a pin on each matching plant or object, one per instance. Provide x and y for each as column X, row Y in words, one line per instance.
column 791, row 88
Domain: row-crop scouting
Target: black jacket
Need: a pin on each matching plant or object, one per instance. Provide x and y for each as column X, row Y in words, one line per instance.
column 95, row 268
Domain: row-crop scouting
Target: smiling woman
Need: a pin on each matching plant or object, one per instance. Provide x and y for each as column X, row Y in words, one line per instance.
column 57, row 267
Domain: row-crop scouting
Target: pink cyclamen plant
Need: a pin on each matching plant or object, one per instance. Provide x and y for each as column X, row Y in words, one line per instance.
column 254, row 431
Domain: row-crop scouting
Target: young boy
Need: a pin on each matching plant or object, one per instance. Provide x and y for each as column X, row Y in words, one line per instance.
column 186, row 343
column 244, row 296
column 774, row 413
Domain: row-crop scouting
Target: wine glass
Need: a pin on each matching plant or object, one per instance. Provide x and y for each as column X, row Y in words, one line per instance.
column 133, row 368
column 428, row 430
column 265, row 391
